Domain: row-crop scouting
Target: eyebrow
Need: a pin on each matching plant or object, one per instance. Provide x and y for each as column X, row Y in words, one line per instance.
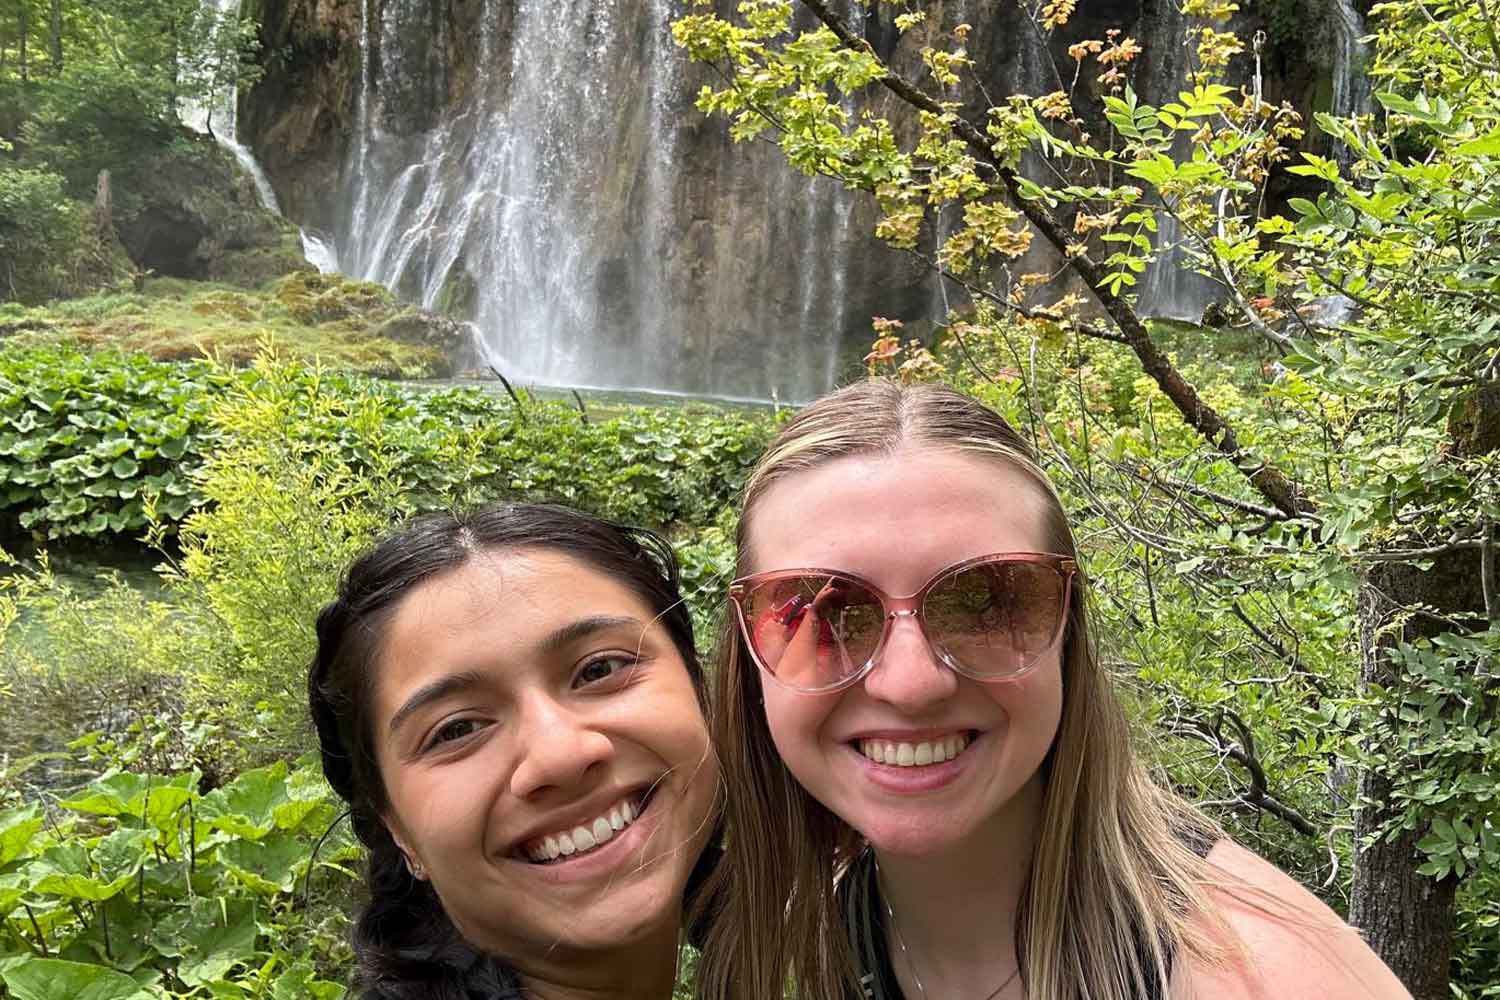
column 435, row 691
column 467, row 680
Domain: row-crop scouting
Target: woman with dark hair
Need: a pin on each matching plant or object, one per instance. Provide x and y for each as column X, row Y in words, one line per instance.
column 511, row 705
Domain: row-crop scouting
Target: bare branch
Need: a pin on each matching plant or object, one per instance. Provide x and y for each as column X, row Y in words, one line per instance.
column 1257, row 796
column 1167, row 485
column 1293, row 661
column 1408, row 555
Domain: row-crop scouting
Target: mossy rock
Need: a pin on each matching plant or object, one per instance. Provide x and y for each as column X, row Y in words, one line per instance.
column 314, row 298
column 188, row 210
column 425, row 329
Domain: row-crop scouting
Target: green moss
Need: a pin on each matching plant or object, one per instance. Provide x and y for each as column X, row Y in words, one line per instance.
column 337, row 321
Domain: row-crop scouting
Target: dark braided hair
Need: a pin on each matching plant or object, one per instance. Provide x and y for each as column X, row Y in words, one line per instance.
column 405, row 945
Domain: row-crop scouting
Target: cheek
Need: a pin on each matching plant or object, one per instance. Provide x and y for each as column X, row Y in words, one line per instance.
column 1034, row 703
column 796, row 720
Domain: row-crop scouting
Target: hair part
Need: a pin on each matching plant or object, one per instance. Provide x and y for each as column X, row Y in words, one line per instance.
column 1114, row 891
column 406, row 947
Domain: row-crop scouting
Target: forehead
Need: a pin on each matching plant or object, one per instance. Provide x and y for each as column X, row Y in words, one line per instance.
column 489, row 615
column 901, row 515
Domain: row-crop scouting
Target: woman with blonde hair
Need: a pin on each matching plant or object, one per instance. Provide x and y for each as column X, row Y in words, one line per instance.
column 933, row 791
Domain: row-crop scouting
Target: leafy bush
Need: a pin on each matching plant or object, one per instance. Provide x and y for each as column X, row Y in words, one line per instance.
column 142, row 885
column 40, row 232
column 79, row 657
column 87, row 441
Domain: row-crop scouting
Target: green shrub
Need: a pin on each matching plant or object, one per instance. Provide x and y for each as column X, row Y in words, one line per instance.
column 77, row 657
column 88, row 441
column 40, row 234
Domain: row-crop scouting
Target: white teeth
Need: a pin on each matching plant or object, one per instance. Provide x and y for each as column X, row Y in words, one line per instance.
column 914, row 754
column 583, row 838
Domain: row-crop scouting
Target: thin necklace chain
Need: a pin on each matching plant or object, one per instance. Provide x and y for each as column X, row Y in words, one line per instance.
column 906, row 953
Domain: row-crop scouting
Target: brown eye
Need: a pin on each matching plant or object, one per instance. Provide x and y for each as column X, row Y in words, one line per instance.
column 604, row 668
column 453, row 731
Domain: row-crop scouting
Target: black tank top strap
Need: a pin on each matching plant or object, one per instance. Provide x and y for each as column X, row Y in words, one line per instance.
column 864, row 918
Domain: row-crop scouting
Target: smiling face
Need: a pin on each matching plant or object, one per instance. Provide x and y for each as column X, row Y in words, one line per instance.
column 545, row 759
column 895, row 520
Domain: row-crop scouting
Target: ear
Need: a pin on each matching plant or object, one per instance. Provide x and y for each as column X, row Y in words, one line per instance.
column 413, row 861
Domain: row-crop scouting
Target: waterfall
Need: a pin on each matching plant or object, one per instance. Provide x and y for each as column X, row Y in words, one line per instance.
column 219, row 116
column 1351, row 86
column 548, row 193
column 1169, row 288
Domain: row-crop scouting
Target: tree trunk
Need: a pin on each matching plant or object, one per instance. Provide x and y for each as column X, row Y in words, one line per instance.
column 104, row 212
column 1406, row 917
column 56, row 39
column 23, row 23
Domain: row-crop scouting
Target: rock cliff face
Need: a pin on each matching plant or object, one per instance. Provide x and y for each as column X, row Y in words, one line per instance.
column 537, row 167
column 186, row 211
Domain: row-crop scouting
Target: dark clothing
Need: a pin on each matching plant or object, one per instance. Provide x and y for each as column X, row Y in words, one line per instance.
column 864, row 915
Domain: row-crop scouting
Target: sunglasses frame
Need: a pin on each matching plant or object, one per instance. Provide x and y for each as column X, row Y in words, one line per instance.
column 894, row 607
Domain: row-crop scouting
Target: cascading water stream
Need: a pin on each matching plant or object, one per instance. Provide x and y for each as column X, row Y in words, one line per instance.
column 1351, row 85
column 553, row 203
column 219, row 117
column 1170, row 288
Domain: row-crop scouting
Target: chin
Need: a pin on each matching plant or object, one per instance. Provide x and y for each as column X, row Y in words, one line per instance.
column 915, row 838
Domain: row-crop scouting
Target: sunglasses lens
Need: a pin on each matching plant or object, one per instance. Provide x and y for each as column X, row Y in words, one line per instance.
column 813, row 631
column 996, row 618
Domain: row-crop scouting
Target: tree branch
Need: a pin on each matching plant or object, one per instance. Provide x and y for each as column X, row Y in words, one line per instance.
column 1283, row 493
column 1166, row 485
column 1243, row 753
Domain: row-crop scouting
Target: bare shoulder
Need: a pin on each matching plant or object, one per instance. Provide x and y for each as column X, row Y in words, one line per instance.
column 1292, row 946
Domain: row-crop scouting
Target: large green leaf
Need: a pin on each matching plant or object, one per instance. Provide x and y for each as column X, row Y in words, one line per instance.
column 17, row 828
column 209, row 937
column 149, row 797
column 268, row 866
column 247, row 807
column 54, row 979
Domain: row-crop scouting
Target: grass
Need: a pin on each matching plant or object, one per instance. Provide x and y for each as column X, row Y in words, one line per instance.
column 306, row 315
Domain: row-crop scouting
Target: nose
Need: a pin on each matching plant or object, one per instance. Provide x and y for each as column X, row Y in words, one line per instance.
column 559, row 748
column 908, row 675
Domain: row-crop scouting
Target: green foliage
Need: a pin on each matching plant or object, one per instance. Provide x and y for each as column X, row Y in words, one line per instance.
column 146, row 885
column 91, row 440
column 76, row 655
column 87, row 442
column 39, row 234
column 96, row 116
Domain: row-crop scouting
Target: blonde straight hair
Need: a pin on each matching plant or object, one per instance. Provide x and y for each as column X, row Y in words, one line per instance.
column 1114, row 891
